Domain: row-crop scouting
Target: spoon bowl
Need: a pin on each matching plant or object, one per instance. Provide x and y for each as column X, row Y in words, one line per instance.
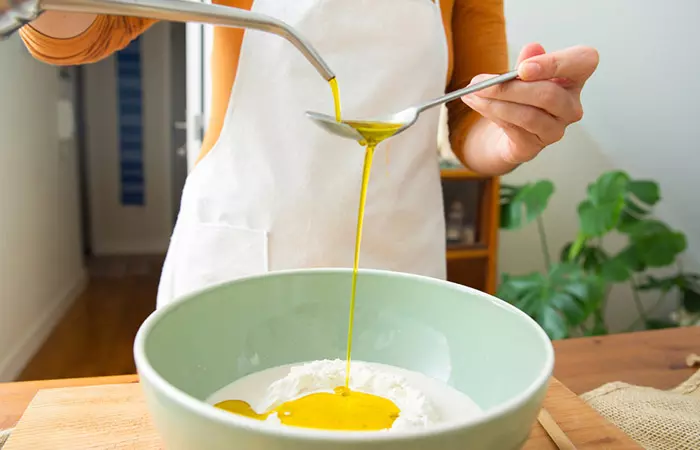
column 359, row 130
column 366, row 130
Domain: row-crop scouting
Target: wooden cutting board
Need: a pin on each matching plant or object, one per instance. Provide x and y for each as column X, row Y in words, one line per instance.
column 115, row 417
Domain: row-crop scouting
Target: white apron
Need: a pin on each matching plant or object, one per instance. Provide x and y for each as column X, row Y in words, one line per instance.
column 277, row 192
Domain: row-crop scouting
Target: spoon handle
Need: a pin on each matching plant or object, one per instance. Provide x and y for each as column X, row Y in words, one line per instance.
column 469, row 89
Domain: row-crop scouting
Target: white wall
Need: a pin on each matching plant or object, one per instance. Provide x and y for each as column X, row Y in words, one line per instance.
column 115, row 228
column 642, row 115
column 41, row 267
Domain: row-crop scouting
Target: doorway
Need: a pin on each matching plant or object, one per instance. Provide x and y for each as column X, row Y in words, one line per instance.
column 133, row 148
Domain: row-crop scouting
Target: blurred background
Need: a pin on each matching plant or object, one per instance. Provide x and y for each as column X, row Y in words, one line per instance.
column 93, row 160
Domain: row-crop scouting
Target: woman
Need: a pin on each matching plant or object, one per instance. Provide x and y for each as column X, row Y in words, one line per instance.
column 272, row 191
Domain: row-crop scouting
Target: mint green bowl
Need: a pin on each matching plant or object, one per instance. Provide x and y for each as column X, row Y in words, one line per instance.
column 474, row 342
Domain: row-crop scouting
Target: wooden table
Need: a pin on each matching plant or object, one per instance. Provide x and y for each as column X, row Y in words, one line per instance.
column 650, row 358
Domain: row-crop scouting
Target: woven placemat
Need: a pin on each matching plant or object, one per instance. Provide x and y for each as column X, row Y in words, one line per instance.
column 656, row 419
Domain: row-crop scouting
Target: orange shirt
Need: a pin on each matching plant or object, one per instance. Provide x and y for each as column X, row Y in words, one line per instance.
column 475, row 31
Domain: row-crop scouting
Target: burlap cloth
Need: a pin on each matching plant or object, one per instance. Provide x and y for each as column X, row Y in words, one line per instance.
column 657, row 420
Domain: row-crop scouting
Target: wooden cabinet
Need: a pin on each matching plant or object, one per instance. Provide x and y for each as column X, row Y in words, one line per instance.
column 472, row 206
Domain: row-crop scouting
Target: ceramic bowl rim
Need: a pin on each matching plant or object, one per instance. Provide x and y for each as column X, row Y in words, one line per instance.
column 203, row 409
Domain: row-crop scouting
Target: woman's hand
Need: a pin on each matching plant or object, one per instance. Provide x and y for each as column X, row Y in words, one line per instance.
column 532, row 112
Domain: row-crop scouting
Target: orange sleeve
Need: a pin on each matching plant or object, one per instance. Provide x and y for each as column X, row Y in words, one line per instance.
column 479, row 46
column 106, row 35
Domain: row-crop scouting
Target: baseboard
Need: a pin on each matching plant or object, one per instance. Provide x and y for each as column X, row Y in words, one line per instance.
column 35, row 336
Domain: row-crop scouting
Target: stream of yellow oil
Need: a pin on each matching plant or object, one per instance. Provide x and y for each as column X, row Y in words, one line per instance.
column 336, row 97
column 373, row 133
column 343, row 409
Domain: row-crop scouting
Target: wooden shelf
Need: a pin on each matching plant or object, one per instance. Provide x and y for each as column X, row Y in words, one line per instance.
column 454, row 254
column 461, row 174
column 475, row 266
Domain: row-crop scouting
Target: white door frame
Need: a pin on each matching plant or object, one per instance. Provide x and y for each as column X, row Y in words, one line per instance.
column 199, row 46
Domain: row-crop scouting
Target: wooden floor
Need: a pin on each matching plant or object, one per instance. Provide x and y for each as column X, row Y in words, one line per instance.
column 96, row 335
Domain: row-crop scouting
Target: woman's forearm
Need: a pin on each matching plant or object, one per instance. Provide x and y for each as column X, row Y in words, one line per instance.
column 61, row 25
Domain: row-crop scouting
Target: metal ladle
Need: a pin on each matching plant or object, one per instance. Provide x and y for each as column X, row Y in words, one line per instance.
column 16, row 13
column 401, row 120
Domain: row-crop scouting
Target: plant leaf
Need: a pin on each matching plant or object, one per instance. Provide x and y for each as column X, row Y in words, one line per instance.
column 599, row 328
column 524, row 283
column 652, row 283
column 647, row 227
column 598, row 220
column 660, row 324
column 631, row 214
column 536, row 198
column 645, row 191
column 571, row 308
column 609, row 187
column 554, row 324
column 658, row 247
column 510, row 216
column 631, row 257
column 683, row 281
column 594, row 258
column 601, row 211
column 560, row 300
column 660, row 250
column 691, row 299
column 523, row 292
column 591, row 257
column 576, row 247
column 615, row 270
column 521, row 205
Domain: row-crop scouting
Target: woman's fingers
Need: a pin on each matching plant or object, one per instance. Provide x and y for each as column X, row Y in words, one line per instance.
column 543, row 126
column 529, row 51
column 546, row 95
column 574, row 63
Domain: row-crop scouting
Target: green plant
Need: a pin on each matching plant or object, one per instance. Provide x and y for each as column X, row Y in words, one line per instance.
column 570, row 297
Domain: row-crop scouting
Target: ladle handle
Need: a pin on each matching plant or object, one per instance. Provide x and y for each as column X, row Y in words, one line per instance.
column 469, row 89
column 22, row 11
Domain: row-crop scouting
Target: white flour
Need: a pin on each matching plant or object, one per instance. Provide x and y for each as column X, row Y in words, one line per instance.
column 423, row 401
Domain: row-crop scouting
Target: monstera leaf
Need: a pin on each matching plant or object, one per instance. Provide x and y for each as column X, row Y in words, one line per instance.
column 521, row 205
column 595, row 260
column 560, row 300
column 600, row 212
column 592, row 257
column 650, row 244
column 687, row 283
column 641, row 196
column 616, row 201
column 654, row 244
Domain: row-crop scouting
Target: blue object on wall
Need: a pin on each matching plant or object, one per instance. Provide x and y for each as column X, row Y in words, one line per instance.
column 130, row 123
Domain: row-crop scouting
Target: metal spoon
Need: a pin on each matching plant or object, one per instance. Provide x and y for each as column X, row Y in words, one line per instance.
column 16, row 13
column 405, row 118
